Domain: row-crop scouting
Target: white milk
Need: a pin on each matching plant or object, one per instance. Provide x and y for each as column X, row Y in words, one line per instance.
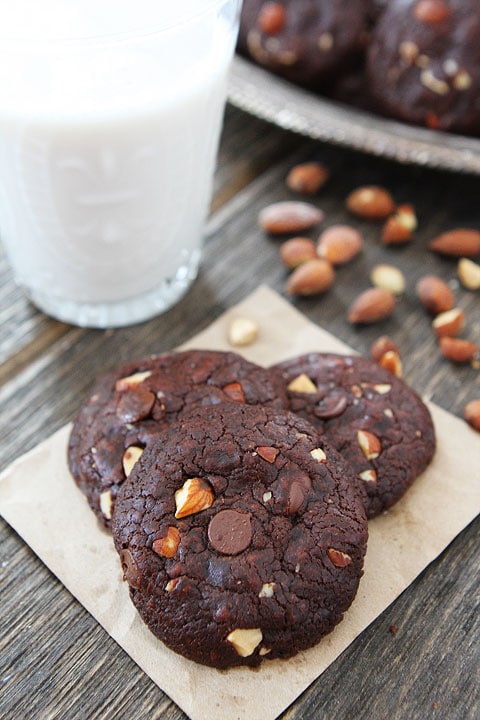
column 107, row 150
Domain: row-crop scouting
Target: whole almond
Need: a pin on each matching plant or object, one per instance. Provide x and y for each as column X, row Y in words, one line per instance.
column 469, row 274
column 459, row 351
column 382, row 345
column 431, row 12
column 289, row 217
column 271, row 18
column 311, row 278
column 339, row 244
column 461, row 242
column 296, row 251
column 434, row 294
column 371, row 306
column 307, row 178
column 370, row 202
column 472, row 414
column 449, row 323
column 388, row 277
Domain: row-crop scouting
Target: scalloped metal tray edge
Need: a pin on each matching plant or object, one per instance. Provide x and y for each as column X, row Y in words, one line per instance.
column 260, row 93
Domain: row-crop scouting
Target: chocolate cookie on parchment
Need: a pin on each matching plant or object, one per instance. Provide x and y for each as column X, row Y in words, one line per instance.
column 240, row 535
column 132, row 404
column 378, row 423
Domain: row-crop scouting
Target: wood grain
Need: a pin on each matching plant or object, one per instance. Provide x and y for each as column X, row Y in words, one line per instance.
column 56, row 662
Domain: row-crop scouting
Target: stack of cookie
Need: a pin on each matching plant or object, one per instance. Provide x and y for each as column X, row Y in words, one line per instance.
column 238, row 496
column 414, row 60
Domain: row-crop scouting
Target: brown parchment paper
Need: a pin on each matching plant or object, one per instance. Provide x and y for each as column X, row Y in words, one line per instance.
column 39, row 499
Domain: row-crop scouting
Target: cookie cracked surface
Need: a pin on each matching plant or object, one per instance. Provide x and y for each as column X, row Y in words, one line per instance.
column 378, row 423
column 240, row 535
column 132, row 404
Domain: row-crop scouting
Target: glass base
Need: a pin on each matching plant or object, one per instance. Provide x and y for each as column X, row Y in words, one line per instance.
column 123, row 312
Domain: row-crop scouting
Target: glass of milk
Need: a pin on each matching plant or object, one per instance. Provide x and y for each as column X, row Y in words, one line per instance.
column 110, row 115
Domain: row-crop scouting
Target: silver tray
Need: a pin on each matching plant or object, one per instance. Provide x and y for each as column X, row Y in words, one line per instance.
column 260, row 93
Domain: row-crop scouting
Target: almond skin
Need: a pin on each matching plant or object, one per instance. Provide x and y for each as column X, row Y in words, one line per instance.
column 369, row 444
column 434, row 294
column 459, row 351
column 289, row 217
column 168, row 544
column 130, row 457
column 457, row 243
column 370, row 202
column 307, row 178
column 339, row 244
column 311, row 278
column 194, row 496
column 371, row 306
column 449, row 323
column 394, row 233
column 339, row 558
column 235, row 392
column 431, row 12
column 392, row 362
column 296, row 251
column 382, row 345
column 472, row 414
column 271, row 19
column 399, row 228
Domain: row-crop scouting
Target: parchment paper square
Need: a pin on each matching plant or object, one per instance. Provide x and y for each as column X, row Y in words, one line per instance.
column 39, row 499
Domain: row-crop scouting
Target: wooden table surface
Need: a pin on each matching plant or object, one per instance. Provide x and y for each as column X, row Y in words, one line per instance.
column 56, row 661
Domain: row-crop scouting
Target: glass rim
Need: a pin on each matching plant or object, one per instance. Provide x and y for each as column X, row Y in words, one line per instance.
column 11, row 42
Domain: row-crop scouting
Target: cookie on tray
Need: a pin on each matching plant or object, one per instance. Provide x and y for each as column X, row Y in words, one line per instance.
column 378, row 423
column 305, row 41
column 132, row 404
column 424, row 63
column 240, row 535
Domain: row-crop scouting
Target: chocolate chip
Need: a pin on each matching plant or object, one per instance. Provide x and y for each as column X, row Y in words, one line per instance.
column 131, row 573
column 296, row 495
column 135, row 405
column 331, row 405
column 108, row 456
column 290, row 490
column 230, row 532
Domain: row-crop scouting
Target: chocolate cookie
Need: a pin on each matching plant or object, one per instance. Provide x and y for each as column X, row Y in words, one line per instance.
column 241, row 535
column 424, row 63
column 305, row 41
column 133, row 403
column 375, row 9
column 371, row 417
